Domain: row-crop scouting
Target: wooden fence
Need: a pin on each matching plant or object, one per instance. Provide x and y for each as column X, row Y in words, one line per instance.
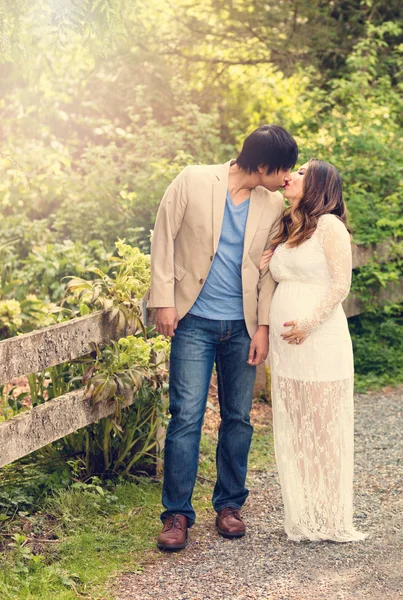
column 38, row 351
column 57, row 344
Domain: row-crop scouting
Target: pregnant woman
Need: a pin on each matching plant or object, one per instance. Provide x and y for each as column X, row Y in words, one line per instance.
column 311, row 358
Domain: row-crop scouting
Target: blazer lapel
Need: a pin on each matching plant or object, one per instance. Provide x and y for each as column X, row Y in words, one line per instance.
column 219, row 198
column 256, row 206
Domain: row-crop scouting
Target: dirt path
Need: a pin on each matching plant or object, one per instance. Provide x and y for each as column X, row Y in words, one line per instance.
column 265, row 566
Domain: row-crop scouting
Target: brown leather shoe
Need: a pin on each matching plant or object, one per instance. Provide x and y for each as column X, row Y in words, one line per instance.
column 175, row 533
column 229, row 523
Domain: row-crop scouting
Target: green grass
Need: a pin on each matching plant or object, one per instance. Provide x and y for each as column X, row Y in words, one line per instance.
column 102, row 531
column 262, row 451
column 99, row 535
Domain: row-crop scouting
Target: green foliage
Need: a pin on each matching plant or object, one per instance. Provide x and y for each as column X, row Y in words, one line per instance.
column 121, row 443
column 24, row 484
column 47, row 265
column 22, row 556
column 95, row 23
column 102, row 103
column 369, row 278
column 90, row 143
column 377, row 274
column 84, row 532
column 31, row 282
column 378, row 348
column 10, row 316
column 23, row 316
column 118, row 129
column 132, row 366
column 81, row 536
column 119, row 291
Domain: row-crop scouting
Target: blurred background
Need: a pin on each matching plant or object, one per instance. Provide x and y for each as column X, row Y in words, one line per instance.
column 102, row 102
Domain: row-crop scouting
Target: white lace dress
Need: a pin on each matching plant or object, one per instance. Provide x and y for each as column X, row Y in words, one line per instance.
column 312, row 385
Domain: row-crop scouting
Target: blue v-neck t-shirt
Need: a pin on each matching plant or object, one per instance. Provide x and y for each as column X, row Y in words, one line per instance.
column 221, row 296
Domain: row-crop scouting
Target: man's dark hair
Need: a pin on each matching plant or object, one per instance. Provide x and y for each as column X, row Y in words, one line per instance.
column 270, row 146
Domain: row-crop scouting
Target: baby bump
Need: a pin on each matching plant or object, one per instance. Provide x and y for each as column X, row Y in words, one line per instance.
column 326, row 354
column 293, row 300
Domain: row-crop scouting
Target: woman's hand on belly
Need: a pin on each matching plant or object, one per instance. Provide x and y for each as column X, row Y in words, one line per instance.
column 296, row 335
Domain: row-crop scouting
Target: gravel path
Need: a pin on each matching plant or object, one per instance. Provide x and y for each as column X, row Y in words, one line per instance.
column 266, row 566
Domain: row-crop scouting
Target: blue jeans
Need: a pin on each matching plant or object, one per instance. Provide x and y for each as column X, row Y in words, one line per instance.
column 198, row 344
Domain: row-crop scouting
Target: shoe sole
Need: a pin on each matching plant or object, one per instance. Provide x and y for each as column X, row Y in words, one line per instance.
column 230, row 536
column 169, row 548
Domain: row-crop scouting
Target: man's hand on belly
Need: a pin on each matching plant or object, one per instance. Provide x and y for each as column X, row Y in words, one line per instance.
column 259, row 346
column 166, row 321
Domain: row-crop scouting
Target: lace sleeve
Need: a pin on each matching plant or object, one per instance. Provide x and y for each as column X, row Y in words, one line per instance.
column 335, row 241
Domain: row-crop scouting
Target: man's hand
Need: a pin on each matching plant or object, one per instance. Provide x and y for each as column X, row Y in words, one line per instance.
column 266, row 258
column 166, row 321
column 259, row 346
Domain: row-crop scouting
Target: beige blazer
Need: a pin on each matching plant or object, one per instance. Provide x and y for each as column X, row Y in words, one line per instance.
column 186, row 235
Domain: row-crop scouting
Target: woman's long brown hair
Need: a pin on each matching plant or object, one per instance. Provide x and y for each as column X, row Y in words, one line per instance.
column 322, row 194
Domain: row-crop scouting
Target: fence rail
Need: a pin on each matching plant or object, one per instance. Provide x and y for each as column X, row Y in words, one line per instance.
column 39, row 350
column 49, row 422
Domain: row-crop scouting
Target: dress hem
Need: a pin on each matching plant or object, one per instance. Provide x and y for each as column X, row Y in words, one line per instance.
column 350, row 537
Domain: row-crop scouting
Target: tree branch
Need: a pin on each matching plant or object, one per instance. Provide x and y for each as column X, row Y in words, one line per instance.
column 217, row 61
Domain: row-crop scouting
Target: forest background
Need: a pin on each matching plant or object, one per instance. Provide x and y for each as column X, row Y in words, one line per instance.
column 102, row 103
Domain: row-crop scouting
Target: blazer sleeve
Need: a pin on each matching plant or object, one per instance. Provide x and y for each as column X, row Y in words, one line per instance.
column 169, row 219
column 266, row 284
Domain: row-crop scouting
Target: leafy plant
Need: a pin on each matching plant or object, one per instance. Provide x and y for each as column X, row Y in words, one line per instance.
column 132, row 366
column 378, row 347
column 120, row 291
column 22, row 554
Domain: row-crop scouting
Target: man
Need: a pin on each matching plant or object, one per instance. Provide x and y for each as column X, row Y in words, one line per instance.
column 213, row 224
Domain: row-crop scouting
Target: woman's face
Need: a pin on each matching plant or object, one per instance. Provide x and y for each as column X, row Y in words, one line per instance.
column 294, row 188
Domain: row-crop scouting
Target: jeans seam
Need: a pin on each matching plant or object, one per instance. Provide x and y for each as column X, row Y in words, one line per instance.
column 221, row 398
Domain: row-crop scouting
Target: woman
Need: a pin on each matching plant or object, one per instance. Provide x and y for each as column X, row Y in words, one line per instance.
column 311, row 358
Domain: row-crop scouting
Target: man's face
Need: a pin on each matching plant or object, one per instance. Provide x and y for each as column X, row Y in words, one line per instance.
column 275, row 180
